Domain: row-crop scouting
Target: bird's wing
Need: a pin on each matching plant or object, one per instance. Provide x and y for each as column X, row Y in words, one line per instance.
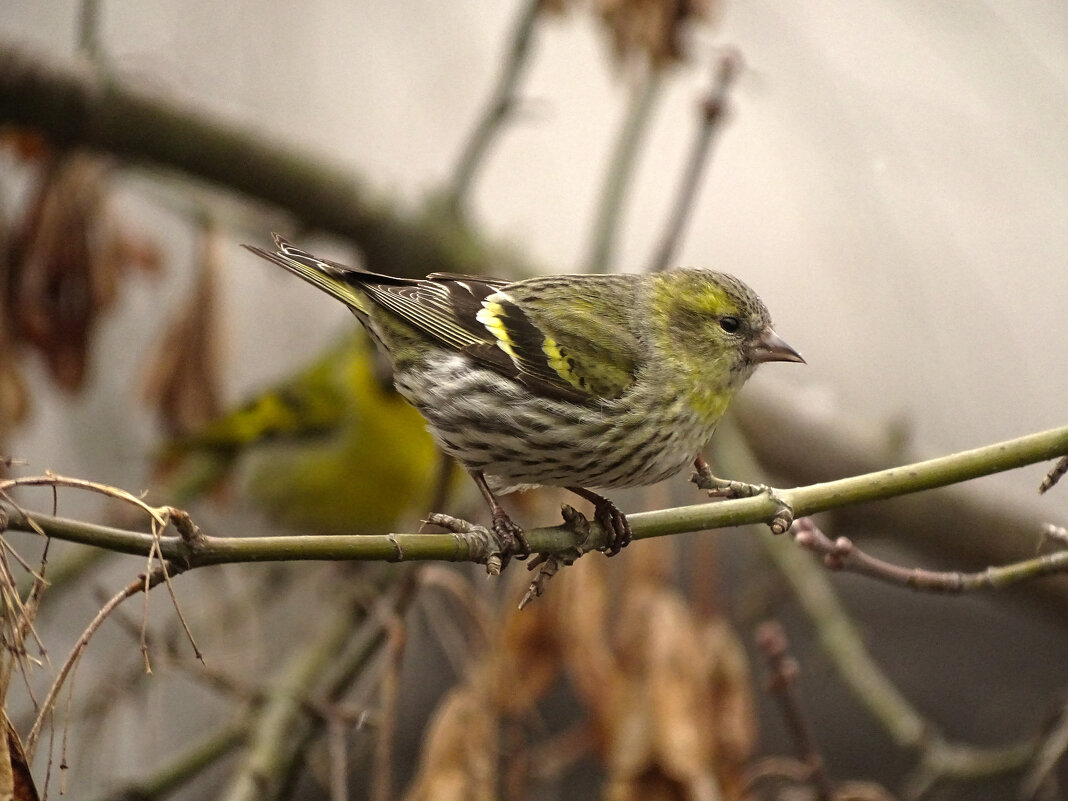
column 571, row 332
column 478, row 317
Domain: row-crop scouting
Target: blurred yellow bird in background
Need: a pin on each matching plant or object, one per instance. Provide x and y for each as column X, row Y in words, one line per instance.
column 334, row 449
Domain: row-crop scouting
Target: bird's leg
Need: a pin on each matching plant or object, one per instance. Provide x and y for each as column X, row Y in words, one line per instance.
column 614, row 522
column 724, row 488
column 513, row 541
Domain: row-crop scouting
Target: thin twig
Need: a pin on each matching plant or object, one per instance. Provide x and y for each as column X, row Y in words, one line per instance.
column 1050, row 751
column 842, row 554
column 864, row 677
column 336, row 656
column 714, row 108
column 186, row 765
column 158, row 514
column 783, row 673
column 156, row 534
column 621, row 169
column 135, row 586
column 338, row 743
column 497, row 110
column 389, row 693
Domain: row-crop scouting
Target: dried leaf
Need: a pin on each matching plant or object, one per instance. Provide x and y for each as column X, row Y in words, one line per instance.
column 680, row 723
column 14, row 397
column 459, row 758
column 66, row 261
column 653, row 29
column 732, row 705
column 16, row 783
column 585, row 618
column 526, row 659
column 57, row 287
column 182, row 381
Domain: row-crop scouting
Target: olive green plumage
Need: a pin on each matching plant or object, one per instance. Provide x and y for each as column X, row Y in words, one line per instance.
column 573, row 380
column 332, row 449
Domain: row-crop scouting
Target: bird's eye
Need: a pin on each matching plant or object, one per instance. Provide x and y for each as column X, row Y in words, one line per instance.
column 730, row 324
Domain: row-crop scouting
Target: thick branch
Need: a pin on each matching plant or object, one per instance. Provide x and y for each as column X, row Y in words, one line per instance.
column 72, row 106
column 204, row 550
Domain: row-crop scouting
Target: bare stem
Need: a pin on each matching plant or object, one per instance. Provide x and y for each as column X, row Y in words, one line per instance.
column 714, row 107
column 497, row 110
column 47, row 707
column 783, row 673
column 843, row 554
column 621, row 169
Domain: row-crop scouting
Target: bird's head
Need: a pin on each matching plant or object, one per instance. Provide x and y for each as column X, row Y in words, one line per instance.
column 715, row 330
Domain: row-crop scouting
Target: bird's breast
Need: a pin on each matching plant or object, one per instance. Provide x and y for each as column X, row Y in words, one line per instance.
column 499, row 427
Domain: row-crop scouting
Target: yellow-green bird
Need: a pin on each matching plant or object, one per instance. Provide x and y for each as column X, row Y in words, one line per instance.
column 334, row 449
column 576, row 381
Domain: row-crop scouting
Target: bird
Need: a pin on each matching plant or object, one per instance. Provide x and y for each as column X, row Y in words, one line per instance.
column 331, row 449
column 579, row 381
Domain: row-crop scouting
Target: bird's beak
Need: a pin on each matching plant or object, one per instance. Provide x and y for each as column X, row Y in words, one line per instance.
column 771, row 348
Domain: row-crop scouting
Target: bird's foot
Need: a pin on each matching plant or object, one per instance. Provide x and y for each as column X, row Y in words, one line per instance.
column 512, row 539
column 493, row 548
column 615, row 524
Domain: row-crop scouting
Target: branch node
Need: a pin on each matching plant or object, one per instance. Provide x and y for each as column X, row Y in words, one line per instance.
column 1054, row 475
column 482, row 544
column 399, row 551
column 188, row 530
column 548, row 565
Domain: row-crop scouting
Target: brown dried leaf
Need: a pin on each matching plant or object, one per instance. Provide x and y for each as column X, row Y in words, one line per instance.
column 16, row 783
column 682, row 724
column 183, row 377
column 581, row 604
column 732, row 705
column 653, row 29
column 459, row 757
column 58, row 284
column 14, row 397
column 526, row 658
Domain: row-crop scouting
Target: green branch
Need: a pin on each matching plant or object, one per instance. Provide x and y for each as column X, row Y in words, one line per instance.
column 201, row 550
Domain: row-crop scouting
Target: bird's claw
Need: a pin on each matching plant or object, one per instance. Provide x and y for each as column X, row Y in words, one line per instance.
column 513, row 542
column 615, row 524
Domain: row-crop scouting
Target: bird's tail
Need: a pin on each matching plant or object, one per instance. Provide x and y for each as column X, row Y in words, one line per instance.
column 334, row 279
